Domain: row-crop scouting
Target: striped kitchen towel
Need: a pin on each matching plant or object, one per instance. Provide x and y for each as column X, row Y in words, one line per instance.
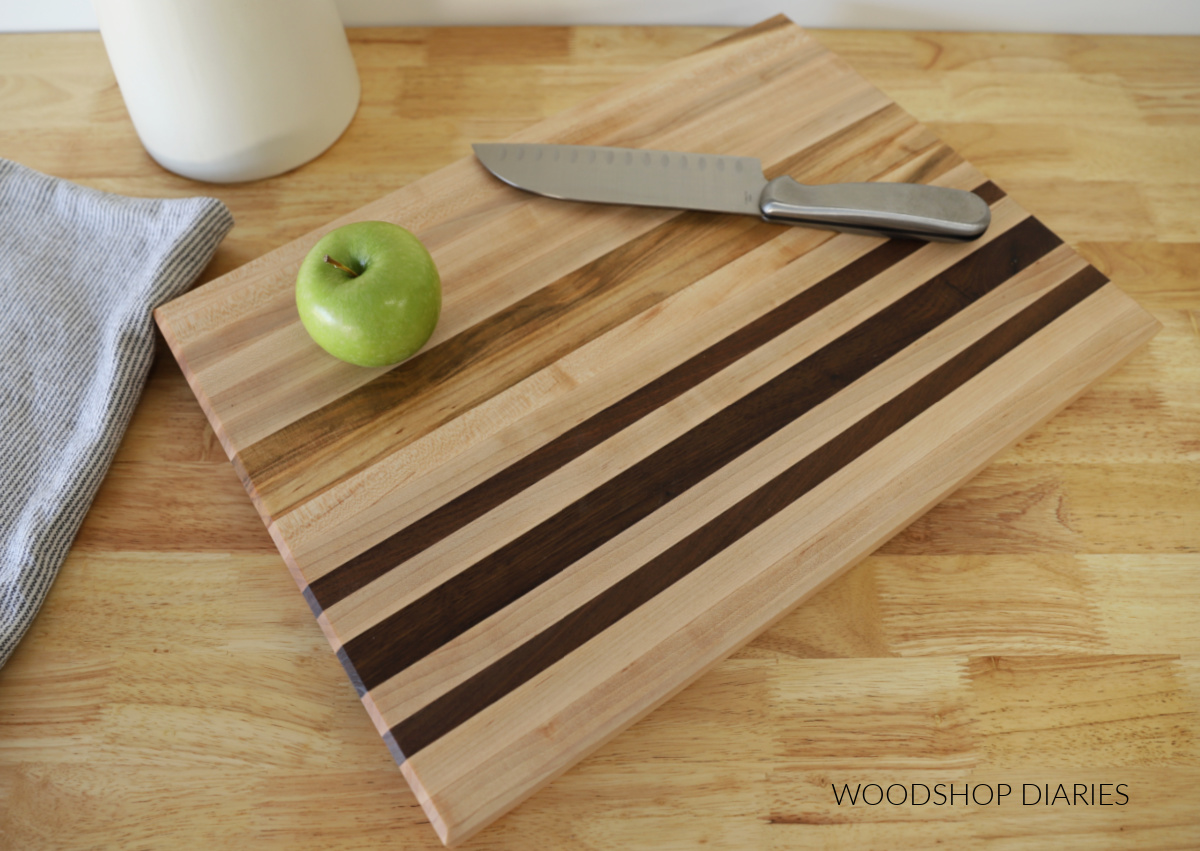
column 80, row 272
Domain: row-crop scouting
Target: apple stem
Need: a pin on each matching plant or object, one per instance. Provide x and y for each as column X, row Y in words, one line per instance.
column 341, row 266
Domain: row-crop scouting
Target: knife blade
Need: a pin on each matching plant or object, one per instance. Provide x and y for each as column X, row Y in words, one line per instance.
column 732, row 184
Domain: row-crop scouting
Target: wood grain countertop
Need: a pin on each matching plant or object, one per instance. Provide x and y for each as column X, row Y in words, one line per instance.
column 1038, row 628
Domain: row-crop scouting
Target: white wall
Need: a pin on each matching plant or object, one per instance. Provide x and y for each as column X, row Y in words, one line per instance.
column 1164, row 17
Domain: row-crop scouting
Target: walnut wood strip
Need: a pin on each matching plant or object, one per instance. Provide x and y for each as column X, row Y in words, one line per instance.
column 531, row 559
column 574, row 480
column 403, row 544
column 363, row 509
column 554, row 644
column 500, row 756
column 430, row 677
column 409, row 541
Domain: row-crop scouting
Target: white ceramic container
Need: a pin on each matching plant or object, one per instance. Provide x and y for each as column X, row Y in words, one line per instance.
column 231, row 90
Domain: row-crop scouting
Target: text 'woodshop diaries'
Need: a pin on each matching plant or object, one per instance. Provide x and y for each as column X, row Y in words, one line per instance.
column 982, row 794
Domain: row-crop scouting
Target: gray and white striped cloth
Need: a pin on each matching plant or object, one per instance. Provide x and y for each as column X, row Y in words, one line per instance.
column 80, row 272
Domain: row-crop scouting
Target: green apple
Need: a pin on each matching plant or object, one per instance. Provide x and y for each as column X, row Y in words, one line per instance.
column 369, row 293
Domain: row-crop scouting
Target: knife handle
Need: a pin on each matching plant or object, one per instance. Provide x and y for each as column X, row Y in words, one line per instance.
column 903, row 210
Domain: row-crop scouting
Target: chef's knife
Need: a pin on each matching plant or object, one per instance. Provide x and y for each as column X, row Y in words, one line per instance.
column 728, row 184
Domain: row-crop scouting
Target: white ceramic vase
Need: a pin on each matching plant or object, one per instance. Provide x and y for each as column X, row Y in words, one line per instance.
column 231, row 90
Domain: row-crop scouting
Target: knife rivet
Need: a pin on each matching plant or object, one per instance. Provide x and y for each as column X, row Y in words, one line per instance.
column 520, row 153
column 646, row 159
column 683, row 161
column 737, row 165
column 720, row 164
column 666, row 160
column 703, row 164
column 610, row 157
column 591, row 156
column 574, row 156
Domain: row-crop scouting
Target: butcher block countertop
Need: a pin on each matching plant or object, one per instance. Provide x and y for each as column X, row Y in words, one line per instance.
column 1018, row 667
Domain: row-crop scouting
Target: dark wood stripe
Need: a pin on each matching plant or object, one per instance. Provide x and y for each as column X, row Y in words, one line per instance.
column 589, row 620
column 406, row 543
column 466, row 370
column 527, row 471
column 515, row 569
column 989, row 192
column 598, row 428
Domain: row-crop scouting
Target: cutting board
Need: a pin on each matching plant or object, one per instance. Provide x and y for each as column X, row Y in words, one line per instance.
column 638, row 436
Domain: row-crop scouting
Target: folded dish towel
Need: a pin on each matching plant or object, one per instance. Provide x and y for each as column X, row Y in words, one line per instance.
column 80, row 272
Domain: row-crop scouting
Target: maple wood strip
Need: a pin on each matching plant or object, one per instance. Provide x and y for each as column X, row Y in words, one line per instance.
column 853, row 154
column 500, row 756
column 385, row 483
column 269, row 464
column 203, row 313
column 282, row 376
column 256, row 403
column 363, row 509
column 527, row 561
column 418, row 396
column 409, row 541
column 663, row 96
column 698, row 105
column 433, row 566
column 719, row 128
column 554, row 644
column 366, row 508
column 410, row 690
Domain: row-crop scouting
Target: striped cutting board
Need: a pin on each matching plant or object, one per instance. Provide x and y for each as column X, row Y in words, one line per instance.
column 638, row 436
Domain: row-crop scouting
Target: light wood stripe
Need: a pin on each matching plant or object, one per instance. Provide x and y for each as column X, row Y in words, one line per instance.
column 407, row 484
column 550, row 456
column 254, row 369
column 366, row 508
column 473, row 364
column 409, row 691
column 422, row 394
column 604, row 610
column 272, row 475
column 421, row 574
column 451, row 516
column 500, row 756
column 531, row 559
